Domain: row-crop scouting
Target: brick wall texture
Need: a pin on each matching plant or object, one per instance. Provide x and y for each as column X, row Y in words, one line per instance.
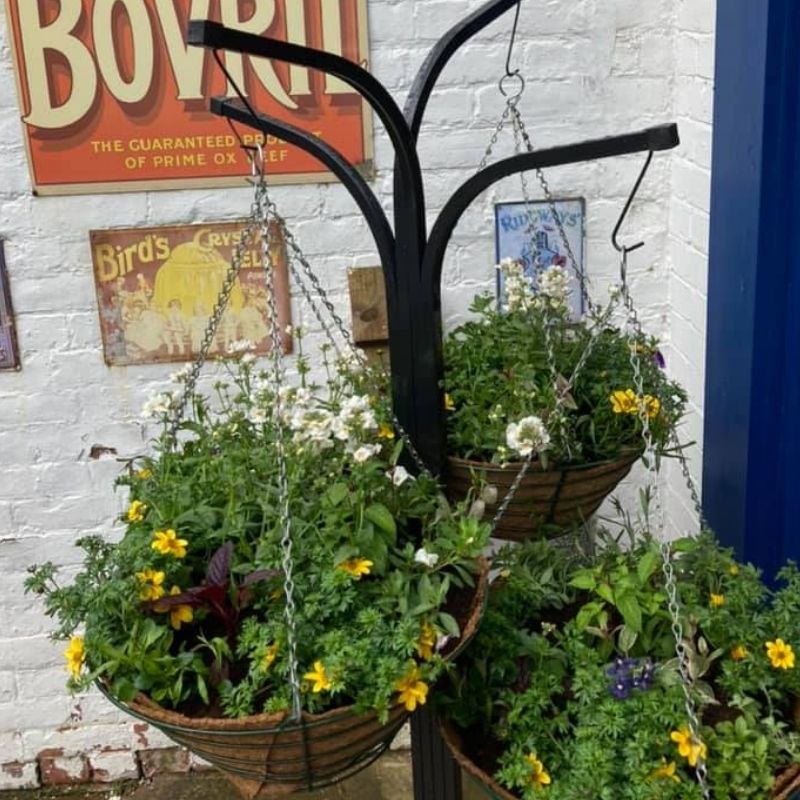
column 592, row 67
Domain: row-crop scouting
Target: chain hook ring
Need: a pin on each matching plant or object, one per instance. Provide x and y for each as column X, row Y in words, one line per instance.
column 512, row 97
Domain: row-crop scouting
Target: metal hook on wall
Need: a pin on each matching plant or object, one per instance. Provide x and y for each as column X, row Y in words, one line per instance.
column 509, row 72
column 621, row 248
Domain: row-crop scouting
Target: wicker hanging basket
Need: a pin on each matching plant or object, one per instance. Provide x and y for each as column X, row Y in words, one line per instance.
column 269, row 755
column 547, row 500
column 787, row 784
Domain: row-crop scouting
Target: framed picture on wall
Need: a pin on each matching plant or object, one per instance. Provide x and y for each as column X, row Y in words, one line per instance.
column 528, row 232
column 157, row 288
column 9, row 354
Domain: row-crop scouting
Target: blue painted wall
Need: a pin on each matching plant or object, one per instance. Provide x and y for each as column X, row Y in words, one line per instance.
column 752, row 438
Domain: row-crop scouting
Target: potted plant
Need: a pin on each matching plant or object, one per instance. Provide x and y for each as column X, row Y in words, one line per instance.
column 527, row 381
column 185, row 621
column 572, row 690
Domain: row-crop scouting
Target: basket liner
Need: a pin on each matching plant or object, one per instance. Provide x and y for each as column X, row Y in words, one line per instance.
column 267, row 755
column 559, row 497
column 787, row 783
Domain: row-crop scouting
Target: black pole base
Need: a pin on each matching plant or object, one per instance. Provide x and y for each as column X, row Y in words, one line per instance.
column 436, row 774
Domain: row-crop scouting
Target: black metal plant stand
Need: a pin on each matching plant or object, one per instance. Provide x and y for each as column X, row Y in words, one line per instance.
column 411, row 257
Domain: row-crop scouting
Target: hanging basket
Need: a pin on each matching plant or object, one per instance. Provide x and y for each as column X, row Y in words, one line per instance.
column 553, row 499
column 787, row 784
column 269, row 755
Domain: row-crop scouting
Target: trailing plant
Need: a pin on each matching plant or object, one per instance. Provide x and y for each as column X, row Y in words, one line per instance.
column 571, row 689
column 189, row 606
column 506, row 398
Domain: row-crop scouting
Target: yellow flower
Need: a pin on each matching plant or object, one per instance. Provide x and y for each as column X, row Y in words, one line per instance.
column 665, row 771
column 624, row 402
column 539, row 776
column 270, row 656
column 136, row 511
column 75, row 655
column 717, row 600
column 168, row 544
column 688, row 747
column 780, row 654
column 356, row 567
column 652, row 405
column 427, row 639
column 449, row 403
column 178, row 614
column 733, row 570
column 151, row 584
column 739, row 653
column 319, row 678
column 385, row 431
column 144, row 474
column 411, row 690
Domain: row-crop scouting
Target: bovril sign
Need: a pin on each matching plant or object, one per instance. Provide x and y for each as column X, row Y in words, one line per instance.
column 113, row 98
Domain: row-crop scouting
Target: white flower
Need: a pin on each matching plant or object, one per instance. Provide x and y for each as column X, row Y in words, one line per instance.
column 554, row 282
column 248, row 358
column 399, row 475
column 527, row 436
column 489, row 494
column 356, row 415
column 422, row 556
column 158, row 405
column 365, row 452
column 181, row 375
column 477, row 509
column 258, row 416
column 519, row 294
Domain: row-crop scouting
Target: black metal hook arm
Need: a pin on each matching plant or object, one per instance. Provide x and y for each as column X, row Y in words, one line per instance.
column 621, row 248
column 663, row 137
column 443, row 51
column 207, row 33
column 364, row 197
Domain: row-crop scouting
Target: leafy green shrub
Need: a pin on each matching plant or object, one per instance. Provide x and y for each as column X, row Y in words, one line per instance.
column 498, row 375
column 572, row 691
column 189, row 607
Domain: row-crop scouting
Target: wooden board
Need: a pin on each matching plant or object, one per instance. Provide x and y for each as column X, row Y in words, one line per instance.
column 368, row 310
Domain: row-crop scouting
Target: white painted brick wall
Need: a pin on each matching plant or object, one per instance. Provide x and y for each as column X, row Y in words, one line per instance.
column 688, row 234
column 593, row 68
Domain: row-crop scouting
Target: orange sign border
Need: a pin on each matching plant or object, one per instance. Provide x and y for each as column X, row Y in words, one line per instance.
column 366, row 168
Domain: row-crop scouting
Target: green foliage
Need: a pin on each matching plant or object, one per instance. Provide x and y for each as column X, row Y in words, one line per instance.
column 190, row 605
column 573, row 674
column 498, row 373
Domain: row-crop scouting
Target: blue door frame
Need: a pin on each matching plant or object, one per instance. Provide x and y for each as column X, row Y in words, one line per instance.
column 751, row 479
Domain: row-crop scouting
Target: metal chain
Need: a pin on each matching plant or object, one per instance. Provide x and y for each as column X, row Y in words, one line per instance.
column 190, row 385
column 522, row 138
column 496, row 135
column 636, row 332
column 635, row 322
column 690, row 483
column 635, row 335
column 519, row 125
column 509, row 496
column 290, row 611
column 701, row 769
column 322, row 294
